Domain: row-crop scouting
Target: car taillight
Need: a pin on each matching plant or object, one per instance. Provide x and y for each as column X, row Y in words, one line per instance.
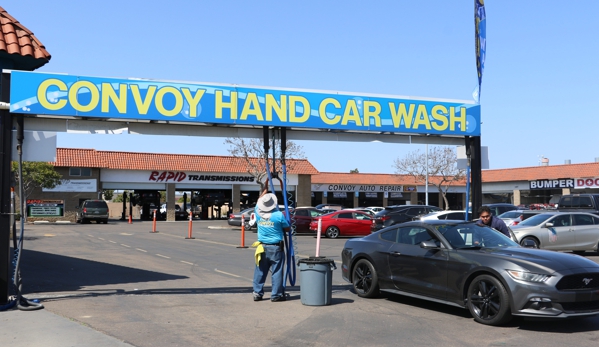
column 384, row 218
column 515, row 222
column 84, row 210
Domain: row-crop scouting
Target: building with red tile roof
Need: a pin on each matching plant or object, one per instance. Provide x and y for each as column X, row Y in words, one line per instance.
column 19, row 46
column 144, row 172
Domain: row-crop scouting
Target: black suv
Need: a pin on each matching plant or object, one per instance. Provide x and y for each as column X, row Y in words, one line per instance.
column 579, row 202
column 92, row 210
column 399, row 214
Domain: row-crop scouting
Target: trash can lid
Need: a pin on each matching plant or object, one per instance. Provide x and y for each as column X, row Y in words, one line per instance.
column 315, row 260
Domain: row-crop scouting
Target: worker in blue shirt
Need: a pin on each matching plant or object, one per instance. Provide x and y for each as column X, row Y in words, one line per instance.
column 270, row 253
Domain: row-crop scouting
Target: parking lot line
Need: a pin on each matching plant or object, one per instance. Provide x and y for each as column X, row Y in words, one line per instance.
column 163, row 256
column 226, row 273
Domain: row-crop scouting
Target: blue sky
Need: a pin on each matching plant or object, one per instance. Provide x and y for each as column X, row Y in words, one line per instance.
column 540, row 89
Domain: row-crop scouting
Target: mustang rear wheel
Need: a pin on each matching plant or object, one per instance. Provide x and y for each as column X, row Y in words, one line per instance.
column 488, row 301
column 365, row 279
column 332, row 232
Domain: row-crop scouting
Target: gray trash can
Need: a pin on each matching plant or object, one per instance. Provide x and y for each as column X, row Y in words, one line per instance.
column 316, row 280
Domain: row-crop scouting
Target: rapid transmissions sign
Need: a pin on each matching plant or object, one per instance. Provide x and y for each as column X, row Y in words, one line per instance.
column 64, row 95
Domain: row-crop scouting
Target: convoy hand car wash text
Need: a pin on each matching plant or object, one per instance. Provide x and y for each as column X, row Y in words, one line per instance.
column 170, row 176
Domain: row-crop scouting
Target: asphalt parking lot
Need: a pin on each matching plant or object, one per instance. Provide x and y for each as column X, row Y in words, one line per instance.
column 140, row 288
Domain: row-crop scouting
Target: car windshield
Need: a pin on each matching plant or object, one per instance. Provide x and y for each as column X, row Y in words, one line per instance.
column 535, row 220
column 473, row 236
column 316, row 213
column 96, row 204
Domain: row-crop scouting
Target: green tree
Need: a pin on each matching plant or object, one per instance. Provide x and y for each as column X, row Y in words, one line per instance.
column 36, row 174
column 354, row 171
column 108, row 194
column 119, row 197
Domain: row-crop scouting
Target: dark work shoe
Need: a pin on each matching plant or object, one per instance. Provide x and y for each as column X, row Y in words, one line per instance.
column 257, row 297
column 279, row 298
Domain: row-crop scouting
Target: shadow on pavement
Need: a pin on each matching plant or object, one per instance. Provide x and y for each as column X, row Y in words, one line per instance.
column 46, row 272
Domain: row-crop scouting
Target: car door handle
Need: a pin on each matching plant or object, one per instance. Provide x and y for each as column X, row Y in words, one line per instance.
column 395, row 253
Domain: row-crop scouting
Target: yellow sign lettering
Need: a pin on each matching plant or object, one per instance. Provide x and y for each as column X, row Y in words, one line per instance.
column 294, row 99
column 279, row 107
column 401, row 113
column 220, row 104
column 193, row 101
column 142, row 105
column 42, row 94
column 251, row 107
column 74, row 93
column 372, row 109
column 322, row 111
column 439, row 114
column 422, row 118
column 159, row 101
column 351, row 113
column 461, row 119
column 119, row 101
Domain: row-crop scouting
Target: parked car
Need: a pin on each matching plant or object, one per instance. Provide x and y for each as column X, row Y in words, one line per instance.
column 343, row 223
column 96, row 210
column 303, row 216
column 500, row 207
column 363, row 210
column 560, row 231
column 511, row 217
column 179, row 212
column 579, row 202
column 375, row 209
column 399, row 214
column 474, row 267
column 335, row 207
column 448, row 214
column 235, row 218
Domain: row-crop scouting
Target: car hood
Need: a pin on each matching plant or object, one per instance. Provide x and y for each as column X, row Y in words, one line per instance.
column 549, row 261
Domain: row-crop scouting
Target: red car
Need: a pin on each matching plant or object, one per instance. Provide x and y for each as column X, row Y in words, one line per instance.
column 343, row 223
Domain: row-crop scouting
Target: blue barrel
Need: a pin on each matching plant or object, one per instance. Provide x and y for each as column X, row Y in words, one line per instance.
column 316, row 280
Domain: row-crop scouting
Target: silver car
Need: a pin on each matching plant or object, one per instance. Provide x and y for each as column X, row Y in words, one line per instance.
column 560, row 231
column 510, row 218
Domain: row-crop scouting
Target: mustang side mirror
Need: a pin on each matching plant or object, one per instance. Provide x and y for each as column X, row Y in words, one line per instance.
column 428, row 244
column 530, row 243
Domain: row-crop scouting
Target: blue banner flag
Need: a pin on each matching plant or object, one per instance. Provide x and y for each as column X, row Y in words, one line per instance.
column 480, row 23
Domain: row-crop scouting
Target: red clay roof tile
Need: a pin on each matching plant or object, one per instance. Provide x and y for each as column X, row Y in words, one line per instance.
column 18, row 44
column 542, row 172
column 76, row 157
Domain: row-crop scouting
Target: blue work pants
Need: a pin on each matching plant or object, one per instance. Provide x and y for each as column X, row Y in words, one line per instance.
column 273, row 259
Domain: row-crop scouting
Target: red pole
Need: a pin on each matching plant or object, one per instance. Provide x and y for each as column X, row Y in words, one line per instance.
column 154, row 223
column 130, row 219
column 189, row 228
column 242, row 233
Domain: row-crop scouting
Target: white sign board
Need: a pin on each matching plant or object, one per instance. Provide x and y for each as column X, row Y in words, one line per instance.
column 81, row 186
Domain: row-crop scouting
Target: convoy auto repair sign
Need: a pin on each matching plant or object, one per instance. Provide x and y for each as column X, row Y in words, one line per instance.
column 575, row 183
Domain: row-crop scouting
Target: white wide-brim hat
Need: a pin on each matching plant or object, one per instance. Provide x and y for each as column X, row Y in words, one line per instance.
column 266, row 204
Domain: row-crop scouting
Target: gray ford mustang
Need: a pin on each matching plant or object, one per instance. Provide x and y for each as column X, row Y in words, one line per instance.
column 462, row 264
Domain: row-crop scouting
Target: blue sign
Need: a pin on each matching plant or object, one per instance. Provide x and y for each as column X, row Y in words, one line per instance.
column 64, row 95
